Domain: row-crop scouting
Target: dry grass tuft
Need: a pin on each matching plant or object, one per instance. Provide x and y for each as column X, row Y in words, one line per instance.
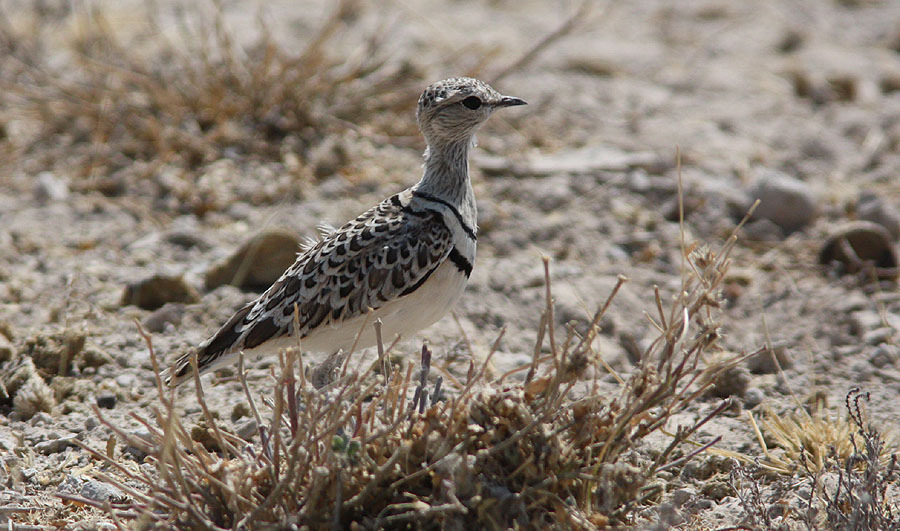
column 116, row 92
column 847, row 469
column 547, row 450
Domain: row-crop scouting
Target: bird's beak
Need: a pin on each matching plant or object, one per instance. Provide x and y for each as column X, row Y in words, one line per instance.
column 509, row 101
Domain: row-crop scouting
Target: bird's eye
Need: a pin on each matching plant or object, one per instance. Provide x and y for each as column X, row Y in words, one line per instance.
column 472, row 102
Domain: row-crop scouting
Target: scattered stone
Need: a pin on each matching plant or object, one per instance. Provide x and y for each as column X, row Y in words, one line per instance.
column 731, row 382
column 55, row 446
column 41, row 419
column 153, row 292
column 683, row 495
column 106, row 401
column 258, row 263
column 247, row 430
column 753, row 397
column 704, row 469
column 864, row 320
column 187, row 239
column 48, row 187
column 852, row 302
column 861, row 246
column 125, row 381
column 94, row 357
column 885, row 355
column 878, row 335
column 763, row 363
column 784, row 200
column 169, row 313
column 90, row 422
column 328, row 157
column 139, row 445
column 762, row 230
column 871, row 207
column 102, row 492
column 821, row 89
column 240, row 410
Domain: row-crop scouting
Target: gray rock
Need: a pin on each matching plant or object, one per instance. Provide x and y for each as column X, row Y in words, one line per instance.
column 247, row 430
column 258, row 263
column 885, row 355
column 90, row 422
column 878, row 335
column 683, row 495
column 860, row 247
column 872, row 208
column 784, row 200
column 864, row 320
column 41, row 418
column 171, row 312
column 106, row 401
column 55, row 445
column 125, row 381
column 753, row 397
column 762, row 230
column 732, row 382
column 154, row 292
column 140, row 446
column 102, row 492
column 187, row 239
column 763, row 363
column 48, row 187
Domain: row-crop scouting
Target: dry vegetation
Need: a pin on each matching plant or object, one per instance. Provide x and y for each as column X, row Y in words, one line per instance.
column 382, row 447
column 848, row 467
column 117, row 106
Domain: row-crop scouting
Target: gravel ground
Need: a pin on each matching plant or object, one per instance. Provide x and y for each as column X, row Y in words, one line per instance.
column 795, row 103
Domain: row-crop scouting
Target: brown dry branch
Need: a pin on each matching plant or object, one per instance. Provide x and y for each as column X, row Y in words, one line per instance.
column 380, row 448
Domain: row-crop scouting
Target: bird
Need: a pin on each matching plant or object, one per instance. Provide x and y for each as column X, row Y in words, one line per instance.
column 405, row 261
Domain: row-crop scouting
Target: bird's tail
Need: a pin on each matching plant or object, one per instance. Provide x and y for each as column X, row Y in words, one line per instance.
column 212, row 353
column 180, row 371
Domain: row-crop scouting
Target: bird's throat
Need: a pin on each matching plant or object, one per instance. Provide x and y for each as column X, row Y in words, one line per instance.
column 447, row 171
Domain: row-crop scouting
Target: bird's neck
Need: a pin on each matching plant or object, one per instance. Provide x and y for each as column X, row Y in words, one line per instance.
column 447, row 173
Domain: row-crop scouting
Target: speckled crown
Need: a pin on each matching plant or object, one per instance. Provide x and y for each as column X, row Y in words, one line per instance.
column 441, row 90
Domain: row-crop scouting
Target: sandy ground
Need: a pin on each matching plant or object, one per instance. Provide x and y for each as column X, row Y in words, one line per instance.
column 801, row 97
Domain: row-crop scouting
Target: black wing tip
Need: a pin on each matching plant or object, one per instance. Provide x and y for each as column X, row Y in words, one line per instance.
column 178, row 373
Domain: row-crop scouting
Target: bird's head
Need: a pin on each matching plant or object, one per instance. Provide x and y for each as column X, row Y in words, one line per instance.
column 452, row 110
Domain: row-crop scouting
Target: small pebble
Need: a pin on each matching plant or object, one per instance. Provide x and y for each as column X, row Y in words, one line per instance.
column 753, row 397
column 55, row 445
column 138, row 449
column 102, row 492
column 683, row 495
column 861, row 246
column 885, row 355
column 873, row 208
column 106, row 401
column 763, row 363
column 49, row 187
column 153, row 292
column 170, row 312
column 788, row 202
column 247, row 430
